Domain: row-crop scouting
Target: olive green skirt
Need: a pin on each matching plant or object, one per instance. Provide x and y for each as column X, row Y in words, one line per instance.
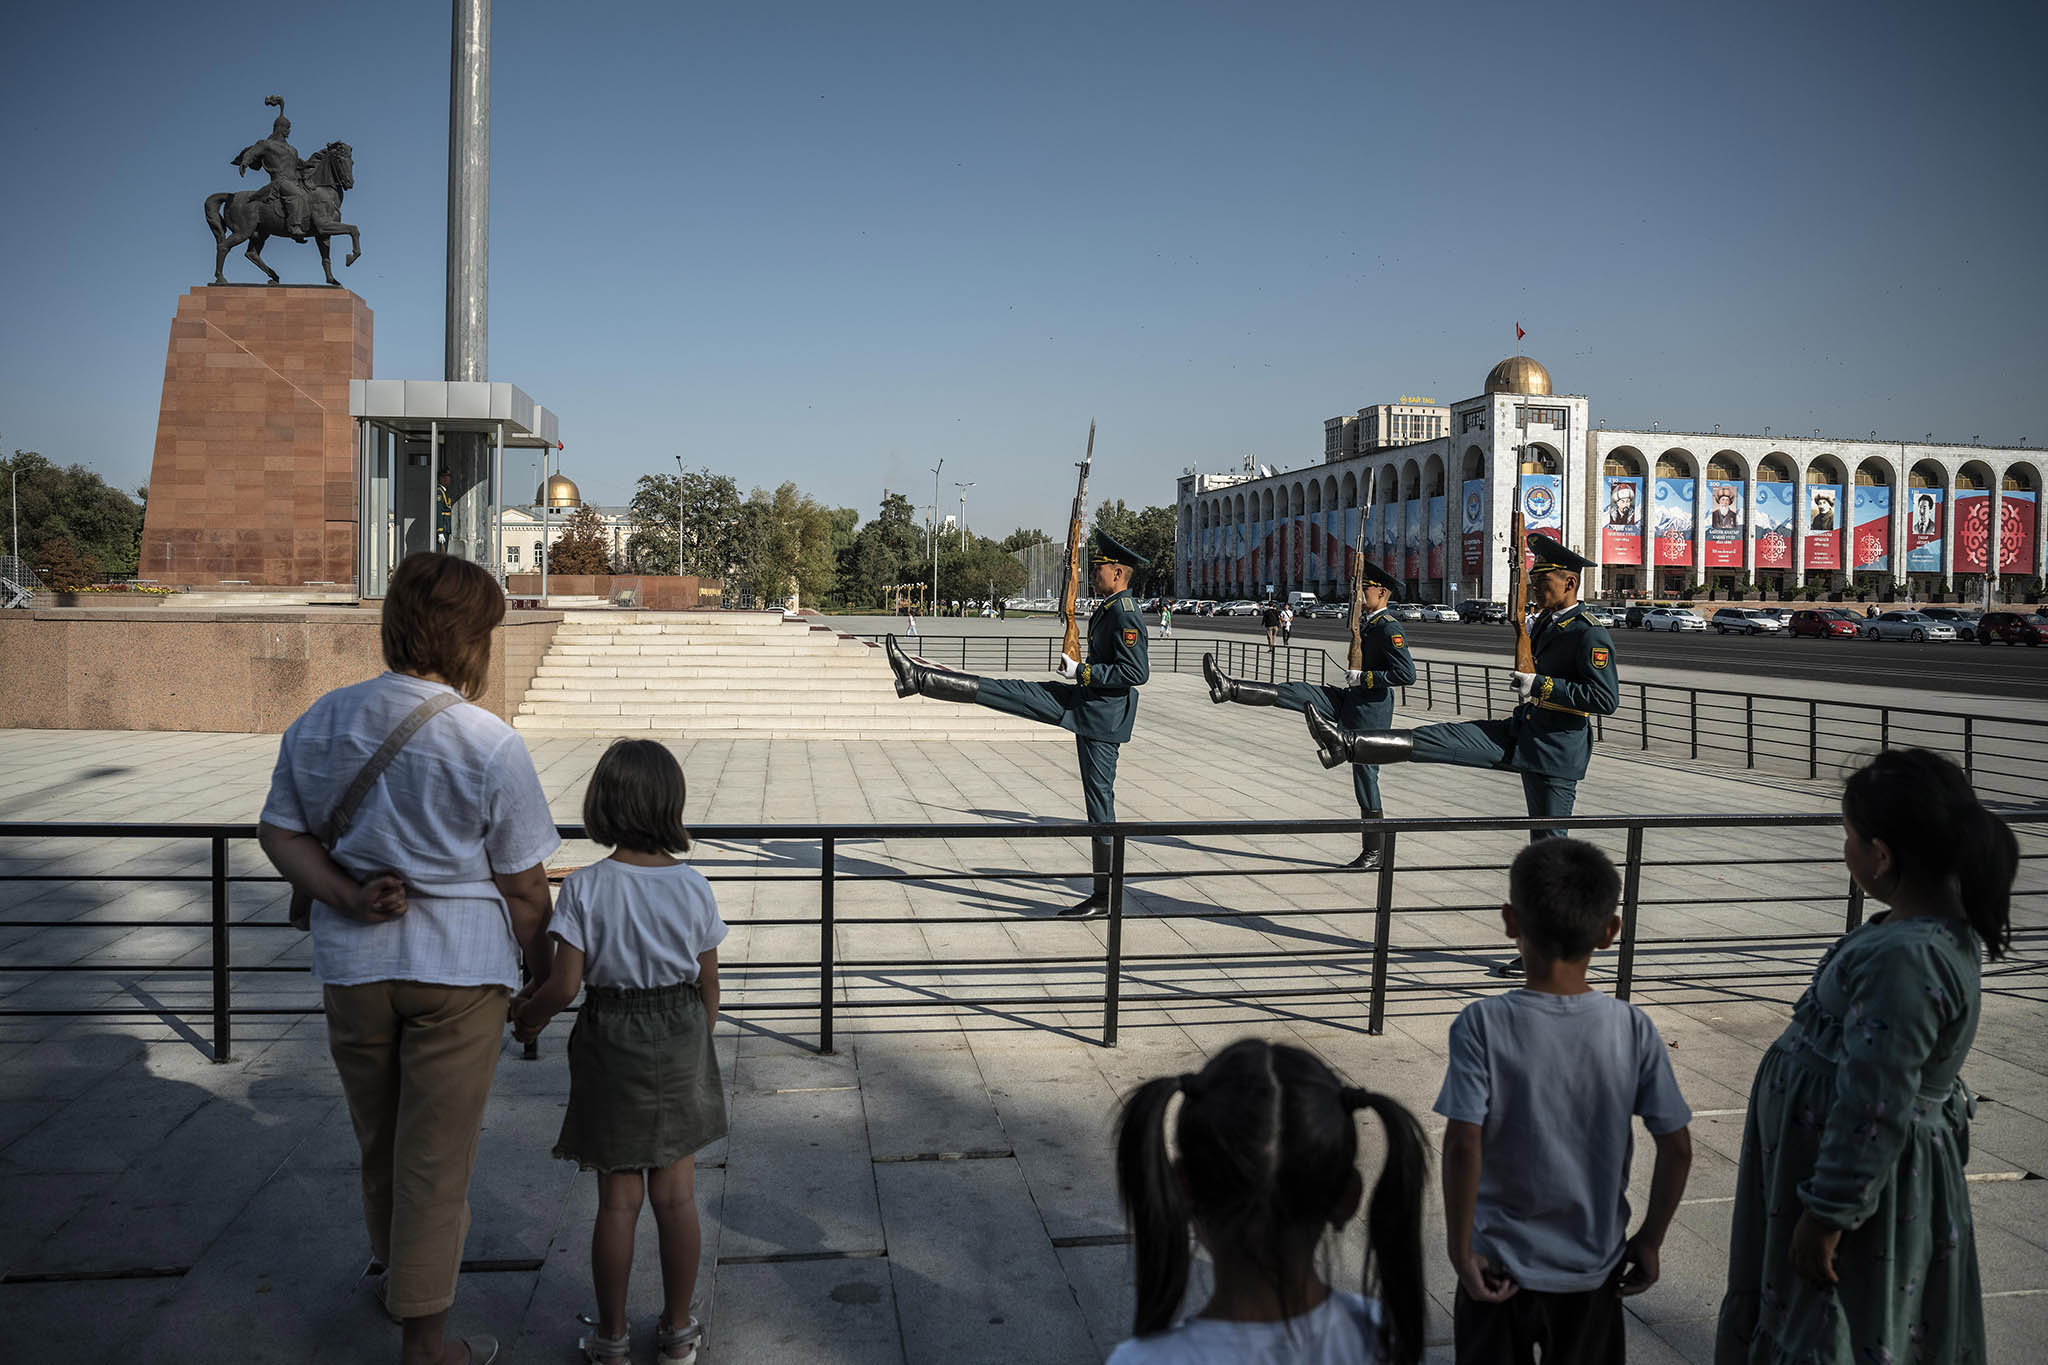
column 644, row 1089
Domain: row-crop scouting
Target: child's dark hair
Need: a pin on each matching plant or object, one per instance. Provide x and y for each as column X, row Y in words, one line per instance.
column 635, row 799
column 1267, row 1150
column 1564, row 892
column 1922, row 807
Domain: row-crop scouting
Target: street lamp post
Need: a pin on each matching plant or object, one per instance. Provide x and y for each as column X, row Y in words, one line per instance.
column 963, row 487
column 935, row 531
column 679, row 516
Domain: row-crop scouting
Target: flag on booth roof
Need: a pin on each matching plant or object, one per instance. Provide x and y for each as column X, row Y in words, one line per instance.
column 1519, row 333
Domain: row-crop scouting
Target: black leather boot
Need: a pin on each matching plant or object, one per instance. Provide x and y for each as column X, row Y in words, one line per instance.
column 1335, row 745
column 1223, row 687
column 1097, row 903
column 1368, row 859
column 913, row 678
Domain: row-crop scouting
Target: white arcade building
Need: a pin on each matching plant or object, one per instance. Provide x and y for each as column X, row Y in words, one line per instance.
column 1658, row 511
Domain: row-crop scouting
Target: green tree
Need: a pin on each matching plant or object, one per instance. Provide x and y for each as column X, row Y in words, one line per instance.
column 1150, row 532
column 583, row 547
column 100, row 522
column 888, row 549
column 784, row 545
column 708, row 507
column 982, row 569
column 1022, row 539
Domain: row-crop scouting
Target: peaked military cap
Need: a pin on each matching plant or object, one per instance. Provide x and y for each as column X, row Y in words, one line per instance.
column 1551, row 554
column 1110, row 550
column 1374, row 574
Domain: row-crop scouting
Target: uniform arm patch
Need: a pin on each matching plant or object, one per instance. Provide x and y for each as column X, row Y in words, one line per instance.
column 1599, row 657
column 1130, row 636
column 1399, row 643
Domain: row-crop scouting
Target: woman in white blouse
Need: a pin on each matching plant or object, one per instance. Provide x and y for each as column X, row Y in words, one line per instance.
column 421, row 913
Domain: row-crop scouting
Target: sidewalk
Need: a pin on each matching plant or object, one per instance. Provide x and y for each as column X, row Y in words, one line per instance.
column 939, row 1190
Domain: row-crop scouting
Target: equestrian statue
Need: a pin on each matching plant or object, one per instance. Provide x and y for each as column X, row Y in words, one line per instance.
column 303, row 199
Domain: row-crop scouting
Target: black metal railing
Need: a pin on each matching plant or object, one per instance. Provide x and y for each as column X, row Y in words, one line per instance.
column 1803, row 881
column 1804, row 736
column 1010, row 654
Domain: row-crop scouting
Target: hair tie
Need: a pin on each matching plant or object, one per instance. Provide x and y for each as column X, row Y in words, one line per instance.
column 1354, row 1097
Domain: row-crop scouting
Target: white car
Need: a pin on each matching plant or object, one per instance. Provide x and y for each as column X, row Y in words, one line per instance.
column 1599, row 615
column 1406, row 611
column 1672, row 618
column 1907, row 625
column 1437, row 611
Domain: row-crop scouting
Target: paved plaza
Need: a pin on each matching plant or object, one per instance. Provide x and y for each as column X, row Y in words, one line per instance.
column 940, row 1187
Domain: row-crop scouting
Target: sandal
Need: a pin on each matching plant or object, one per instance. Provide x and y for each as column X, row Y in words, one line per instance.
column 598, row 1349
column 672, row 1338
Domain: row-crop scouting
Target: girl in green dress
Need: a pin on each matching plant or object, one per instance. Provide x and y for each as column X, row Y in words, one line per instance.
column 1852, row 1240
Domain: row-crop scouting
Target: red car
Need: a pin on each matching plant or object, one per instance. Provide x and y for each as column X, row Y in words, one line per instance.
column 2015, row 628
column 1821, row 623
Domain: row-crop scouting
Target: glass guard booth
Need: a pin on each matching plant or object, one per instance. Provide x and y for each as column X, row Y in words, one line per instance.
column 430, row 469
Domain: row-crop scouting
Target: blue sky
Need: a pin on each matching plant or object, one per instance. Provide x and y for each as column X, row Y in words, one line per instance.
column 835, row 243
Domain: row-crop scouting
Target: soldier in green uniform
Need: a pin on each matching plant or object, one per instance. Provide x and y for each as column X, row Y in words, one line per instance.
column 1549, row 738
column 1099, row 703
column 1364, row 702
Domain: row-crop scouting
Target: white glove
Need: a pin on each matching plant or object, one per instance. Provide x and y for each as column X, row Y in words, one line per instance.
column 1069, row 668
column 1353, row 677
column 1525, row 683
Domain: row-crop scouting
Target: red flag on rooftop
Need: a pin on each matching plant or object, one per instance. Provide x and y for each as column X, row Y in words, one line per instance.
column 1519, row 333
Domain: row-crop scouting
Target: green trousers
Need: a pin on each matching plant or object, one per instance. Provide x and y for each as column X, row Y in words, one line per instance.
column 1052, row 704
column 1485, row 744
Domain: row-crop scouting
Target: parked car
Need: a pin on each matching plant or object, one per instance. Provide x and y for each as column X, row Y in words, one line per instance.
column 1326, row 611
column 1437, row 611
column 1907, row 625
column 1407, row 611
column 2013, row 627
column 1822, row 623
column 1672, row 618
column 1599, row 615
column 1778, row 614
column 1746, row 621
column 1482, row 611
column 1962, row 618
column 1239, row 607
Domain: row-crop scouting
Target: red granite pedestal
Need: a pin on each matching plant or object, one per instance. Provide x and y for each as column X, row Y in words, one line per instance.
column 253, row 478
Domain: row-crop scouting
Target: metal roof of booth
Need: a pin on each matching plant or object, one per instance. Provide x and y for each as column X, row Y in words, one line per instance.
column 409, row 404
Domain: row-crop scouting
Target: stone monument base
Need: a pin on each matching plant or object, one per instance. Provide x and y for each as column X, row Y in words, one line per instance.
column 254, row 475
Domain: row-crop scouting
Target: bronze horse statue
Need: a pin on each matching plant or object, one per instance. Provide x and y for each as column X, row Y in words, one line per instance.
column 255, row 216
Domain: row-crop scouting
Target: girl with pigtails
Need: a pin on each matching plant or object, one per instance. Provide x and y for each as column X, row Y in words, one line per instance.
column 1263, row 1160
column 1852, row 1238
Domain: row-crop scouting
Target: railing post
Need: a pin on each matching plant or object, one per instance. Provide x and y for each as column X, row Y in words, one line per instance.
column 1970, row 745
column 1884, row 727
column 1458, row 689
column 1428, row 686
column 222, row 1041
column 1693, row 696
column 1855, row 916
column 1006, row 654
column 1748, row 730
column 827, row 945
column 1643, row 711
column 1812, row 737
column 1113, row 960
column 1631, row 899
column 1382, row 931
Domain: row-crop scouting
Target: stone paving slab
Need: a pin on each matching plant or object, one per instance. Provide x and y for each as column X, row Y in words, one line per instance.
column 949, row 1166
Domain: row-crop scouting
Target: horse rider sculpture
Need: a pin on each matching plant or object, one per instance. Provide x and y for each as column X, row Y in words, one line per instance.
column 277, row 155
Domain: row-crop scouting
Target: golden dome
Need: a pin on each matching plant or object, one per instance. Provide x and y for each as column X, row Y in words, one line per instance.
column 1518, row 374
column 558, row 492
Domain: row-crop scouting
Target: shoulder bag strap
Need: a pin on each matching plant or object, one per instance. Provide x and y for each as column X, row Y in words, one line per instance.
column 344, row 812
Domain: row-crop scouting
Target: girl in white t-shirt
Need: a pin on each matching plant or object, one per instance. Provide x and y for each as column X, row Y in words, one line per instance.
column 638, row 933
column 1268, row 1159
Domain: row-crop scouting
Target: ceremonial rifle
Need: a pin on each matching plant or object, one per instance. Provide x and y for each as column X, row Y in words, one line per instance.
column 1077, row 551
column 1518, row 593
column 1357, row 664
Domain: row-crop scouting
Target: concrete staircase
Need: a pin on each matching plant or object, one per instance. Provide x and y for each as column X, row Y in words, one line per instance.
column 735, row 675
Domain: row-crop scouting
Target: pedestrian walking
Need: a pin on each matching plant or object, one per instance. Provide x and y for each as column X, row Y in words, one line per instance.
column 1263, row 1164
column 1541, row 1095
column 1852, row 1239
column 1270, row 619
column 1165, row 619
column 638, row 934
column 1286, row 625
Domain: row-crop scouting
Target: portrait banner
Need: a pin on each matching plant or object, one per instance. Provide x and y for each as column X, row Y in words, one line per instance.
column 1772, row 524
column 1673, row 536
column 1475, row 528
column 1823, row 514
column 1923, row 531
column 1870, row 541
column 1724, row 524
column 1621, row 520
column 1433, row 537
column 1542, row 508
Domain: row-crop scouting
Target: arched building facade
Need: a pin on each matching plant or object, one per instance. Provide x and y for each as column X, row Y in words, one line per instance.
column 1657, row 511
